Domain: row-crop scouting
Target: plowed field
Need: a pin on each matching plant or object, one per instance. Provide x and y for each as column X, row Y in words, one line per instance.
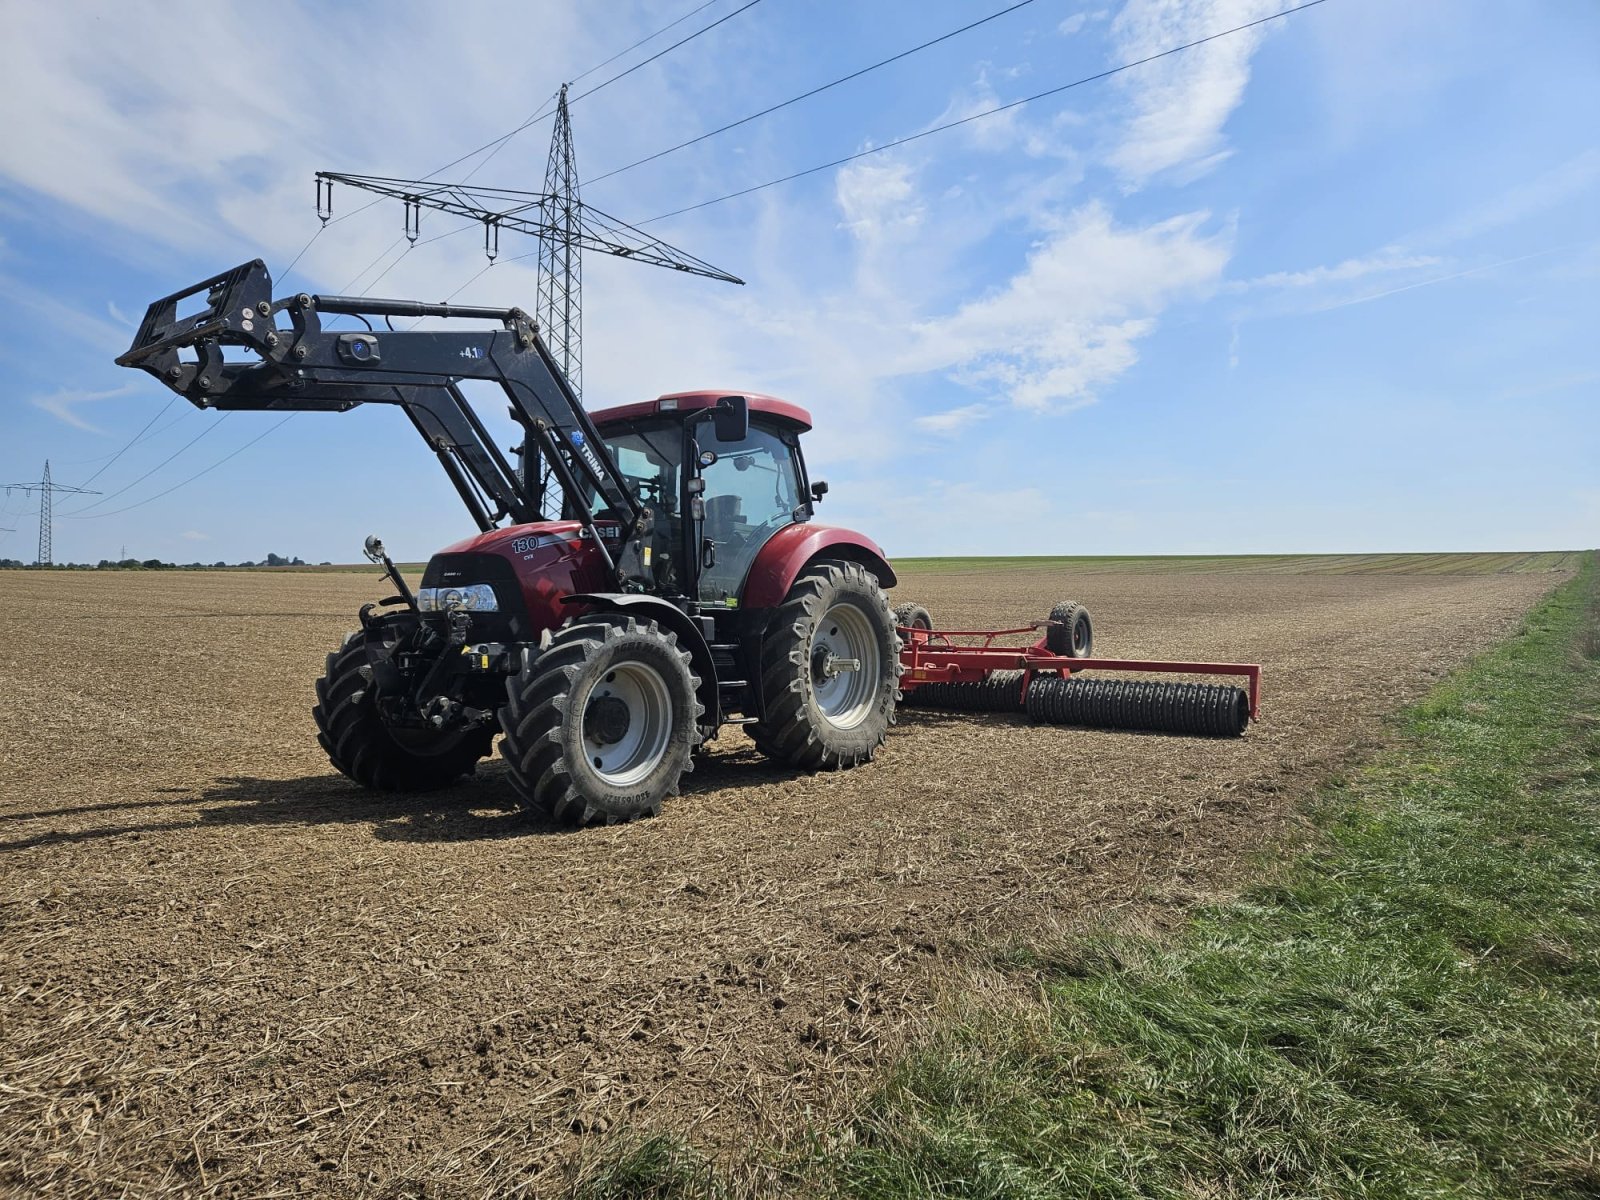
column 224, row 969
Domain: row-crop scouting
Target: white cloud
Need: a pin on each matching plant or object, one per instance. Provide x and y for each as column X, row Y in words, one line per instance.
column 1070, row 320
column 952, row 420
column 64, row 405
column 1181, row 103
column 878, row 201
column 1073, row 24
column 194, row 535
column 1343, row 272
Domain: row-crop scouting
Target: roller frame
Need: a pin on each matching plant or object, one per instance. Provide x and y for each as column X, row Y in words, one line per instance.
column 931, row 656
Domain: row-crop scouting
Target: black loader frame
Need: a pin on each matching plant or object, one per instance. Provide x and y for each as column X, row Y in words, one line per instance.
column 308, row 368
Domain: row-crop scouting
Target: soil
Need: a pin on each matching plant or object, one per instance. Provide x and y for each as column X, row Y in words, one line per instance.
column 224, row 969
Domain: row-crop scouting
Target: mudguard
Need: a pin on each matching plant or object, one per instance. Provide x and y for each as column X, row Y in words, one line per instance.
column 794, row 547
column 668, row 616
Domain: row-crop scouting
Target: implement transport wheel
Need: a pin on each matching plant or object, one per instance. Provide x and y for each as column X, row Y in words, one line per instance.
column 912, row 616
column 362, row 746
column 602, row 723
column 830, row 663
column 1071, row 633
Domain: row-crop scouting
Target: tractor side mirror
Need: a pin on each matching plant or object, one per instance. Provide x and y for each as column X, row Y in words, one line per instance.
column 819, row 489
column 731, row 419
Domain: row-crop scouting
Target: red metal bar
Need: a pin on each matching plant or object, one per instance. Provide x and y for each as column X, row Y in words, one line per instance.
column 927, row 660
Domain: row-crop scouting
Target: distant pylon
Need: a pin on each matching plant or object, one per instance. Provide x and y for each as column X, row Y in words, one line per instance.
column 46, row 491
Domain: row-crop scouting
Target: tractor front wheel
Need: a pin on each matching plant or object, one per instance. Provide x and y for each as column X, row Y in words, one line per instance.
column 600, row 725
column 830, row 663
column 361, row 745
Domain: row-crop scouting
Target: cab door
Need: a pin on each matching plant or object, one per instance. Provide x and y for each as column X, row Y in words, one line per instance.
column 752, row 490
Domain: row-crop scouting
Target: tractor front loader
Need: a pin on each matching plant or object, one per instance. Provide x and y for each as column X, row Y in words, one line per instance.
column 641, row 576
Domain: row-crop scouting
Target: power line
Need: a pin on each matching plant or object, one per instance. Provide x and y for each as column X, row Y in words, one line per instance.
column 839, row 162
column 209, row 429
column 649, row 37
column 233, row 454
column 132, row 441
column 660, row 53
column 813, row 92
column 498, row 143
column 168, row 492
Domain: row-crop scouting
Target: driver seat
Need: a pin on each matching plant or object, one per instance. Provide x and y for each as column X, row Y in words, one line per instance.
column 723, row 513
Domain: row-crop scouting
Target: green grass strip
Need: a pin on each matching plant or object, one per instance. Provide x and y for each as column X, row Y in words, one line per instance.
column 1409, row 1010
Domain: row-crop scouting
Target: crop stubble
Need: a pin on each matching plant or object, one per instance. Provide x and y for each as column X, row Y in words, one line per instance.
column 224, row 967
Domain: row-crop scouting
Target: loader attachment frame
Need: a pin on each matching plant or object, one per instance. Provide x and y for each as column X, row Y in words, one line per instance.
column 290, row 362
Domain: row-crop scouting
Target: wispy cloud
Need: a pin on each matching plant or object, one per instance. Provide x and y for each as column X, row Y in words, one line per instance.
column 1351, row 268
column 64, row 405
column 1576, row 177
column 1505, row 262
column 952, row 420
column 1179, row 105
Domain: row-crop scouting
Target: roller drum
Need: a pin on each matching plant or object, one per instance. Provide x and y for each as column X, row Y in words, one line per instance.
column 1000, row 691
column 1209, row 710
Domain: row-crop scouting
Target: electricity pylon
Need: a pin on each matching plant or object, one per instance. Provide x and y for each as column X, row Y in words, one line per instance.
column 563, row 224
column 46, row 491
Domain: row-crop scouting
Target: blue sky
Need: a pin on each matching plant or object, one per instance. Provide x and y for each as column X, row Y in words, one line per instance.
column 1329, row 285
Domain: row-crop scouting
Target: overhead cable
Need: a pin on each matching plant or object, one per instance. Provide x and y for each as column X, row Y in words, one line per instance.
column 813, row 92
column 850, row 158
column 234, row 454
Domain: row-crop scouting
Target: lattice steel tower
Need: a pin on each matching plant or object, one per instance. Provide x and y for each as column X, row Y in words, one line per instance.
column 46, row 491
column 560, row 259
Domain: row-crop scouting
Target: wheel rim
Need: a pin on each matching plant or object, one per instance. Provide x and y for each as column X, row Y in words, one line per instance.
column 844, row 697
column 627, row 724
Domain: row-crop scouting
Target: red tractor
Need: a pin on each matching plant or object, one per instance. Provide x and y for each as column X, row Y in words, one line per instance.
column 681, row 584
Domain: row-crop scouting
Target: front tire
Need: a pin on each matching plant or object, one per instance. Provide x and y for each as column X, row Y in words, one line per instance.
column 820, row 711
column 361, row 745
column 600, row 726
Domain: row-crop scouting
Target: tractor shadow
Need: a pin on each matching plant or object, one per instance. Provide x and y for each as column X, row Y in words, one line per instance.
column 480, row 808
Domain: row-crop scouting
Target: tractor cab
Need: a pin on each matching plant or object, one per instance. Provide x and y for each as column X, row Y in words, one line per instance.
column 720, row 475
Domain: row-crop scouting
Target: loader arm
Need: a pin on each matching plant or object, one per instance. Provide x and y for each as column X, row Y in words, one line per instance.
column 291, row 363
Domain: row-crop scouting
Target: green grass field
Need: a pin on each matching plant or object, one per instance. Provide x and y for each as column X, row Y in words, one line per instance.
column 1411, row 1008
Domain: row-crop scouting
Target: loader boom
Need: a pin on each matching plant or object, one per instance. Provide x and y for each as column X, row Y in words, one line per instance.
column 304, row 367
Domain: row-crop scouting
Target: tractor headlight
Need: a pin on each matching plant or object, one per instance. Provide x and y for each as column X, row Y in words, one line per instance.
column 470, row 597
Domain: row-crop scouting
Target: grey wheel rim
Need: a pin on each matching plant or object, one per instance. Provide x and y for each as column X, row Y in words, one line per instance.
column 627, row 724
column 845, row 666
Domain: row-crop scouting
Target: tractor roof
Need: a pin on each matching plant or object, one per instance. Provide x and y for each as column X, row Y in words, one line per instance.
column 694, row 401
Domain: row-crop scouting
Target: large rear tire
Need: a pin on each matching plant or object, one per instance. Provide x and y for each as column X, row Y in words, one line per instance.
column 601, row 724
column 362, row 746
column 820, row 710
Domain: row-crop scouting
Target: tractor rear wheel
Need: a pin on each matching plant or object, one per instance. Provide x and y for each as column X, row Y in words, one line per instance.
column 359, row 742
column 601, row 724
column 830, row 663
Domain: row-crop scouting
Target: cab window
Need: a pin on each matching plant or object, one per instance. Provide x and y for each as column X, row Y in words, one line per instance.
column 752, row 490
